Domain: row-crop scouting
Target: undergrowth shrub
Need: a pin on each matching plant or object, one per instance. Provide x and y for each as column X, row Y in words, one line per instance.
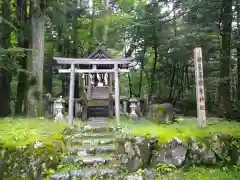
column 29, row 147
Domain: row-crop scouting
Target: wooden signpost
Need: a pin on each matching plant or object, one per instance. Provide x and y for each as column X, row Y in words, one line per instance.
column 200, row 96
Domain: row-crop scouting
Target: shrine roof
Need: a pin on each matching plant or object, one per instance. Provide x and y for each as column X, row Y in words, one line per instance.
column 99, row 53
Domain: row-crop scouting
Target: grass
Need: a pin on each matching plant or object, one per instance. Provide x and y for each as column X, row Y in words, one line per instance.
column 204, row 173
column 184, row 128
column 16, row 132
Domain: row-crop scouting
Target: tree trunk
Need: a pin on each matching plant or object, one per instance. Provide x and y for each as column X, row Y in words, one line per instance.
column 140, row 81
column 22, row 78
column 75, row 53
column 142, row 58
column 48, row 74
column 5, row 92
column 238, row 49
column 130, row 85
column 106, row 6
column 22, row 21
column 153, row 73
column 5, row 76
column 224, row 86
column 36, row 59
column 128, row 54
column 172, row 81
column 60, row 52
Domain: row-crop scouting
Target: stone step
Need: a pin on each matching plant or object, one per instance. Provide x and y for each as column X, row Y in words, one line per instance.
column 90, row 135
column 101, row 119
column 98, row 107
column 98, row 119
column 99, row 102
column 95, row 141
column 98, row 113
column 94, row 127
column 91, row 160
column 98, row 125
column 98, row 110
column 93, row 150
column 86, row 174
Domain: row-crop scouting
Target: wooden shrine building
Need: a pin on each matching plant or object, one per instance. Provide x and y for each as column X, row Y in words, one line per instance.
column 100, row 75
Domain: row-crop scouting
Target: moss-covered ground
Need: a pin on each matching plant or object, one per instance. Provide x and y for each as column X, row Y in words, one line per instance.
column 204, row 173
column 15, row 132
column 183, row 128
column 30, row 147
column 22, row 131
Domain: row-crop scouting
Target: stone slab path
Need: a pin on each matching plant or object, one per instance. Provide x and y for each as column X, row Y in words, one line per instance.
column 93, row 151
column 98, row 122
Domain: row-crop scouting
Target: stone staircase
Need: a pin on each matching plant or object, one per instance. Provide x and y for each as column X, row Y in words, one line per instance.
column 98, row 111
column 93, row 152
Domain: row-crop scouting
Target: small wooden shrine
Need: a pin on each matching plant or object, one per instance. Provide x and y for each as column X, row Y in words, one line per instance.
column 99, row 71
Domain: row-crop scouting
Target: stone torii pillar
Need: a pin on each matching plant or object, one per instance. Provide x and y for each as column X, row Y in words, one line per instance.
column 71, row 94
column 117, row 96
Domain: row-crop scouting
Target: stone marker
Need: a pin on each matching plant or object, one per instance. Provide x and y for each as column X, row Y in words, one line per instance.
column 201, row 114
column 167, row 112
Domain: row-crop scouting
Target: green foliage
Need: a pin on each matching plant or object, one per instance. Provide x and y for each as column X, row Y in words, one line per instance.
column 16, row 132
column 169, row 172
column 161, row 43
column 67, row 167
column 203, row 173
column 30, row 147
column 8, row 59
column 186, row 128
column 164, row 168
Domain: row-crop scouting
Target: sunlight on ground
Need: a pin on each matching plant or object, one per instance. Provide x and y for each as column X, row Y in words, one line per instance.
column 21, row 131
column 185, row 128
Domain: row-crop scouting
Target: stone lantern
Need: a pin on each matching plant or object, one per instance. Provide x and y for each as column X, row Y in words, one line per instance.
column 133, row 106
column 58, row 109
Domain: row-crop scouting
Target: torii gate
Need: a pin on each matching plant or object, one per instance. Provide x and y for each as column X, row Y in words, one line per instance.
column 94, row 62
